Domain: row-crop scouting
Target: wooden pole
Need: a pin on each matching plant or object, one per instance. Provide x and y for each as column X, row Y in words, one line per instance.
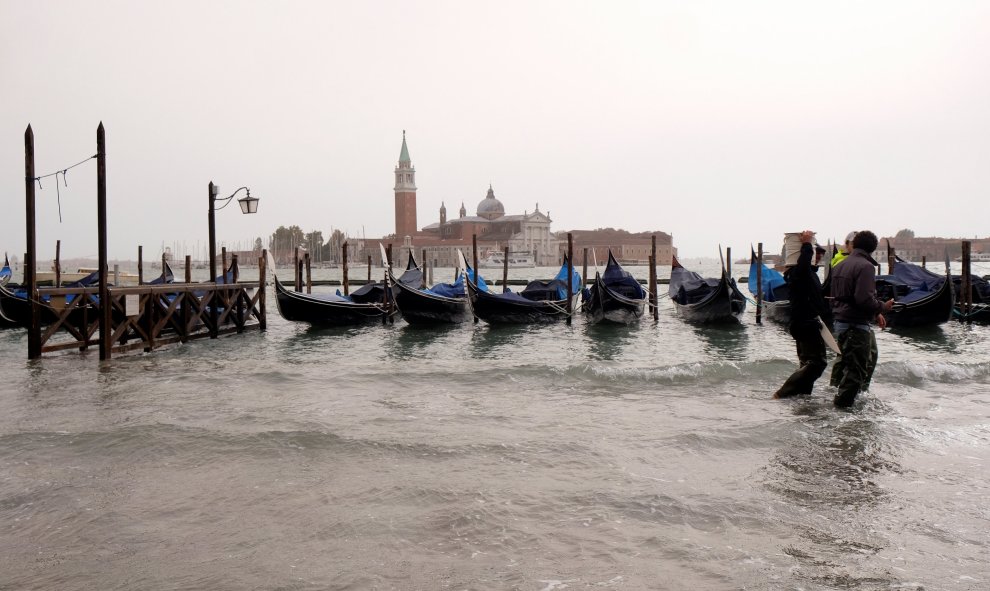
column 343, row 269
column 966, row 284
column 728, row 261
column 188, row 276
column 106, row 326
column 213, row 233
column 164, row 267
column 890, row 258
column 923, row 261
column 369, row 268
column 262, row 287
column 30, row 257
column 654, row 297
column 141, row 265
column 297, row 272
column 570, row 277
column 474, row 257
column 422, row 263
column 58, row 264
column 223, row 263
column 309, row 275
column 235, row 270
column 505, row 268
column 759, row 283
column 584, row 266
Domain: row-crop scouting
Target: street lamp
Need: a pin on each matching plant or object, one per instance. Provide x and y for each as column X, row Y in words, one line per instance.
column 248, row 204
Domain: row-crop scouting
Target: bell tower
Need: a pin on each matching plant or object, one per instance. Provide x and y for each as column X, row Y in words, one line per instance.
column 405, row 194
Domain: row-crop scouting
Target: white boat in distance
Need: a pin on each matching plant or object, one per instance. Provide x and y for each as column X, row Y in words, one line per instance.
column 496, row 259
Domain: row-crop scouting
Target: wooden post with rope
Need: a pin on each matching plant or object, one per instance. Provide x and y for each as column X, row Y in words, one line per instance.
column 106, row 324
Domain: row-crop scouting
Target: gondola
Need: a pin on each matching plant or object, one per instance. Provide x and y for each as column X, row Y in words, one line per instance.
column 15, row 310
column 5, row 272
column 980, row 288
column 921, row 298
column 372, row 302
column 705, row 300
column 444, row 303
column 539, row 302
column 615, row 296
column 776, row 293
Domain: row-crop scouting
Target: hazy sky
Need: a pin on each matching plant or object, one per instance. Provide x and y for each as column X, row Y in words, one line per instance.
column 720, row 122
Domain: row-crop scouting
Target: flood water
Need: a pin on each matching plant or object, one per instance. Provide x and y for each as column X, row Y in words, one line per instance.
column 473, row 457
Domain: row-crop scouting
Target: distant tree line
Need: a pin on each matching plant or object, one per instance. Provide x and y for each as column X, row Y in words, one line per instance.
column 283, row 241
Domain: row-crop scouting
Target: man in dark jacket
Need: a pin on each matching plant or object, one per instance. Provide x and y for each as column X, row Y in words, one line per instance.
column 855, row 307
column 808, row 311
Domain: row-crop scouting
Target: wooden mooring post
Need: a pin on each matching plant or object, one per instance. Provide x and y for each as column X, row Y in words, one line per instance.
column 654, row 296
column 30, row 257
column 891, row 258
column 188, row 275
column 58, row 264
column 505, row 269
column 343, row 268
column 728, row 261
column 141, row 265
column 966, row 283
column 759, row 283
column 106, row 322
column 369, row 268
column 570, row 277
column 309, row 274
column 474, row 257
column 584, row 266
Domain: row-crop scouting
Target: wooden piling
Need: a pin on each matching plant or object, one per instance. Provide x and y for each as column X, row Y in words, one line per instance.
column 30, row 257
column 309, row 275
column 759, row 283
column 106, row 324
column 235, row 270
column 505, row 268
column 188, row 276
column 369, row 268
column 422, row 263
column 164, row 274
column 584, row 267
column 728, row 261
column 297, row 272
column 223, row 264
column 570, row 277
column 262, row 285
column 58, row 264
column 474, row 257
column 890, row 258
column 343, row 268
column 654, row 296
column 141, row 265
column 923, row 261
column 966, row 284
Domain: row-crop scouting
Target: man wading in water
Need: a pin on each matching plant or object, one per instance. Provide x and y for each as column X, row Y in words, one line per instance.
column 808, row 311
column 855, row 306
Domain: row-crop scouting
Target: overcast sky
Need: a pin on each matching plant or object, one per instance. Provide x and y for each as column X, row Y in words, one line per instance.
column 719, row 122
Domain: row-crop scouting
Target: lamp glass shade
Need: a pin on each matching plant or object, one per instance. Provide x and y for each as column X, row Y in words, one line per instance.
column 248, row 204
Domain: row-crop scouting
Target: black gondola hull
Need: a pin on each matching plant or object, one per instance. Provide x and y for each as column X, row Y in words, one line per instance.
column 724, row 305
column 933, row 309
column 299, row 307
column 606, row 306
column 420, row 308
column 495, row 310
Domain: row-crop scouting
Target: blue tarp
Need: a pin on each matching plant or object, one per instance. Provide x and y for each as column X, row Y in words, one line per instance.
column 621, row 281
column 771, row 279
column 908, row 283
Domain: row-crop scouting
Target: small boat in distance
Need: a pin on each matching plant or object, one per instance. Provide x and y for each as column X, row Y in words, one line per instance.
column 496, row 259
column 615, row 296
column 705, row 300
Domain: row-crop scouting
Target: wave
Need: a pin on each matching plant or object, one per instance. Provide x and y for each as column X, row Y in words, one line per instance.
column 944, row 372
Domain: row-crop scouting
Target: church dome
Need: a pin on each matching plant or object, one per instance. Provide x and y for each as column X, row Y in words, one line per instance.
column 490, row 207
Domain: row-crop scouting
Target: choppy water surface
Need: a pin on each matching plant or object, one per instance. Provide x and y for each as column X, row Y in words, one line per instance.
column 577, row 457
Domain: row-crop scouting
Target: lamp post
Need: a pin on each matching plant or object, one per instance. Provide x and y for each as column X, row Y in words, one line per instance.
column 248, row 204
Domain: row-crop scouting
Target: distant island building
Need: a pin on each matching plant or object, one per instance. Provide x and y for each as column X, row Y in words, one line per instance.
column 527, row 236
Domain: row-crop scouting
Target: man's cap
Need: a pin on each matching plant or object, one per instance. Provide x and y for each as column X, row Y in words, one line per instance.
column 850, row 236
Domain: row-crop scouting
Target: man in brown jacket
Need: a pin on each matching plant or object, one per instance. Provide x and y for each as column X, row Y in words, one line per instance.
column 855, row 307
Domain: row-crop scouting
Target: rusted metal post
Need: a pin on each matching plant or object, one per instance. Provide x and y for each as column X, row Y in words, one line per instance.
column 654, row 298
column 570, row 277
column 106, row 324
column 343, row 269
column 141, row 265
column 30, row 257
column 759, row 283
column 188, row 276
column 309, row 274
column 966, row 284
column 58, row 264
